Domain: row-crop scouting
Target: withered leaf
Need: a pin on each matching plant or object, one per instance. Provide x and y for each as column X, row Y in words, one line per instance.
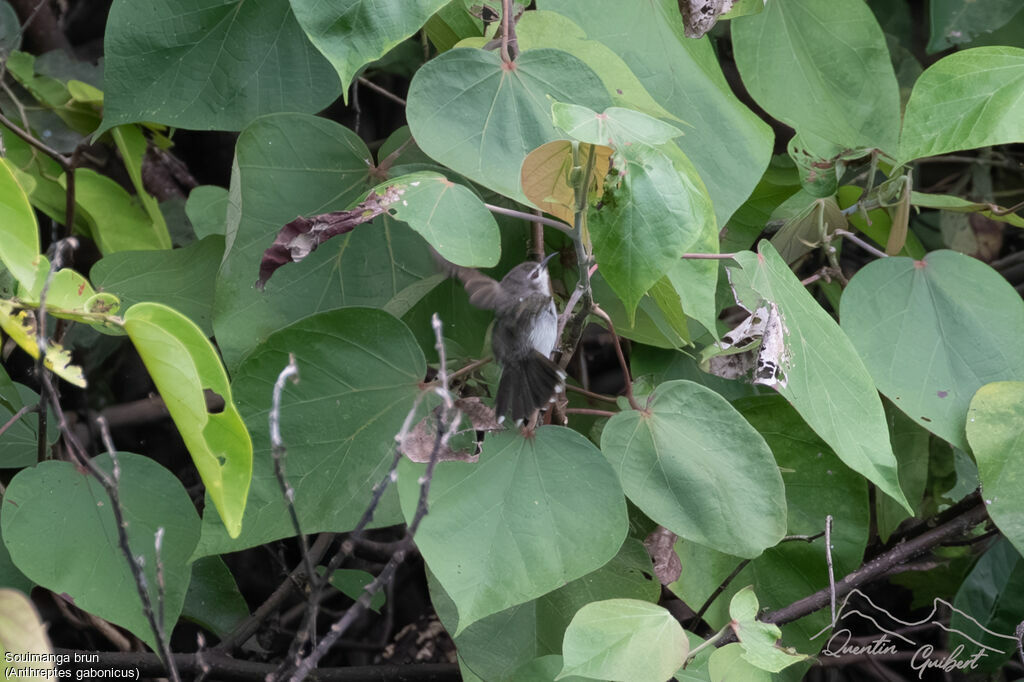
column 302, row 236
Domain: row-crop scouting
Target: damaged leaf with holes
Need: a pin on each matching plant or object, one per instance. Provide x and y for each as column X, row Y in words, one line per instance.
column 183, row 364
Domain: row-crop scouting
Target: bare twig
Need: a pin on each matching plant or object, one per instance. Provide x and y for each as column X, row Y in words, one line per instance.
column 831, row 571
column 110, row 485
column 587, row 410
column 449, row 415
column 861, row 243
column 622, row 358
column 18, row 415
column 591, row 394
column 250, row 625
column 699, row 616
column 880, row 565
column 381, row 91
column 278, row 451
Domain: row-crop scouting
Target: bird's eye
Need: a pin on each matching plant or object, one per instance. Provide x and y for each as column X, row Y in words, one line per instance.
column 535, row 273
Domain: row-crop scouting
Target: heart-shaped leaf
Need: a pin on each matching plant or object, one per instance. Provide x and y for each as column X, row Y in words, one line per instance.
column 64, row 504
column 530, row 516
column 695, row 466
column 481, row 116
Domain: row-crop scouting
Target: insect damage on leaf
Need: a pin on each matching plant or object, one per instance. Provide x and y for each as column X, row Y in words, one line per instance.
column 756, row 349
column 302, row 236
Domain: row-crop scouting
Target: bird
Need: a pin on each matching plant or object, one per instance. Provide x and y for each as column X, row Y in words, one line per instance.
column 524, row 335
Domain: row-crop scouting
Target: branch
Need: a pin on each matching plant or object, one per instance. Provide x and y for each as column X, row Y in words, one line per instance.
column 622, row 358
column 381, row 91
column 878, row 566
column 861, row 243
column 306, row 665
column 110, row 485
column 250, row 625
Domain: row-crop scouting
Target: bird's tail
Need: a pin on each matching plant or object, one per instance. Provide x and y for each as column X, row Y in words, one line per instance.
column 527, row 385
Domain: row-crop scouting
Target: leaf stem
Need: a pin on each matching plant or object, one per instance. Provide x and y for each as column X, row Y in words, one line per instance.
column 530, row 217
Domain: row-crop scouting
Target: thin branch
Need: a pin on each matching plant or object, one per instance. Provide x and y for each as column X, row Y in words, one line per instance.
column 110, row 484
column 381, row 91
column 861, row 243
column 699, row 616
column 462, row 371
column 880, row 565
column 591, row 394
column 529, row 217
column 587, row 410
column 831, row 571
column 339, row 627
column 278, row 452
column 18, row 415
column 802, row 538
column 708, row 256
column 250, row 625
column 622, row 358
column 63, row 161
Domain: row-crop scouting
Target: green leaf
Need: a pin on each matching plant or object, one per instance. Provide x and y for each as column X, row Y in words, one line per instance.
column 729, row 145
column 649, row 324
column 541, row 29
column 213, row 599
column 825, row 379
column 812, row 63
column 132, row 144
column 623, row 639
column 545, row 669
column 290, row 165
column 758, row 639
column 64, row 504
column 210, row 64
column 206, row 209
column 693, row 465
column 948, row 202
column 481, row 118
column 22, row 633
column 965, row 322
column 450, row 24
column 957, row 21
column 614, row 126
column 181, row 279
column 988, row 604
column 729, row 663
column 995, row 429
column 504, row 641
column 530, row 516
column 352, row 582
column 817, row 484
column 183, row 363
column 966, row 100
column 911, row 445
column 353, row 33
column 10, row 29
column 651, row 212
column 359, row 372
column 19, row 235
column 20, row 443
column 448, row 215
column 117, row 221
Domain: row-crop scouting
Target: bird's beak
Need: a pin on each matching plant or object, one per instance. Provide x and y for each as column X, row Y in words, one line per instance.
column 544, row 263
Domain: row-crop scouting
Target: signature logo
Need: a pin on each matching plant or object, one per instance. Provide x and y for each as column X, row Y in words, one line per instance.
column 896, row 637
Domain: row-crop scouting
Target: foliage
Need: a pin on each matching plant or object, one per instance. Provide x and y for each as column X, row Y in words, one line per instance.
column 848, row 276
